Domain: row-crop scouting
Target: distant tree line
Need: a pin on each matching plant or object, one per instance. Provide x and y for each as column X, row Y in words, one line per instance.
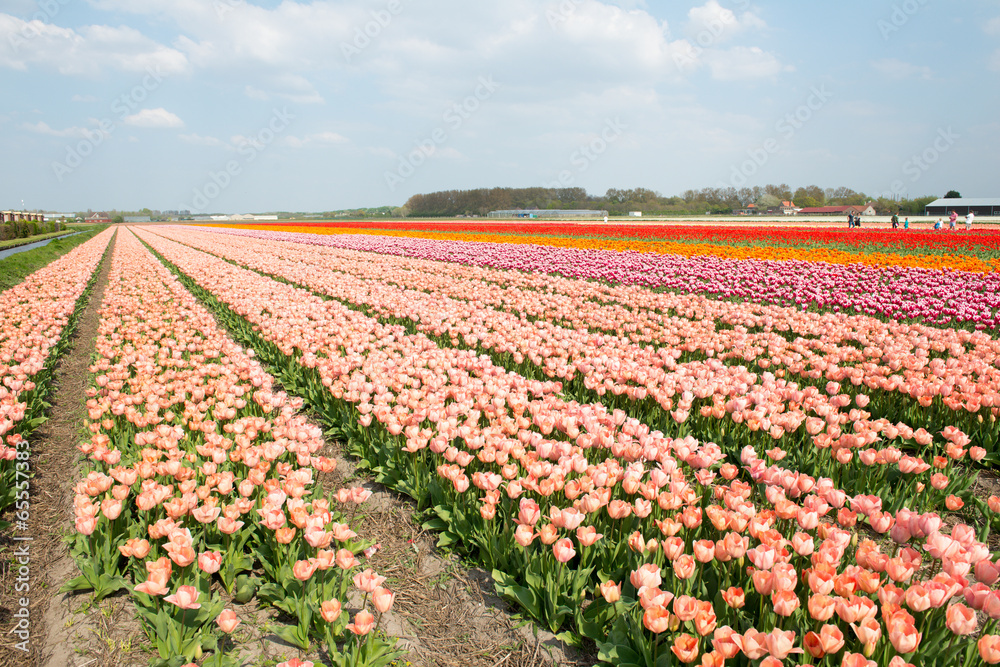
column 451, row 203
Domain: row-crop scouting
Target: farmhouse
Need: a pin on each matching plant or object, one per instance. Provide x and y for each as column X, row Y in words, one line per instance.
column 787, row 208
column 101, row 218
column 979, row 206
column 749, row 209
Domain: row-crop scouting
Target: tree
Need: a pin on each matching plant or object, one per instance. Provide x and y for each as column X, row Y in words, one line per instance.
column 843, row 196
column 782, row 192
column 805, row 201
column 916, row 206
column 813, row 191
column 118, row 219
column 885, row 206
column 768, row 201
column 953, row 194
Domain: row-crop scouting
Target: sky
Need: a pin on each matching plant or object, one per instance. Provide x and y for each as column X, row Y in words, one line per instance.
column 236, row 106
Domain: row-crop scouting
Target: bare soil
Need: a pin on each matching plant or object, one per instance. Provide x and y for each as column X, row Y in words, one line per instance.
column 53, row 462
column 445, row 614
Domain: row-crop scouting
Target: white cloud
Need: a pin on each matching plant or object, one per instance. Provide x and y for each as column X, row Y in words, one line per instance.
column 87, row 51
column 741, row 63
column 897, row 69
column 713, row 24
column 255, row 93
column 198, row 140
column 326, row 138
column 292, row 87
column 41, row 127
column 416, row 58
column 154, row 118
column 862, row 109
column 381, row 151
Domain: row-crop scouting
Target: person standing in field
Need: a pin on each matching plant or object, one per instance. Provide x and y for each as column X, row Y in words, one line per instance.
column 968, row 220
column 850, row 220
column 953, row 218
column 951, row 223
column 906, row 225
column 895, row 221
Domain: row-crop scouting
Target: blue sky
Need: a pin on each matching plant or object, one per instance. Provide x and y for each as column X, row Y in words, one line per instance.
column 252, row 106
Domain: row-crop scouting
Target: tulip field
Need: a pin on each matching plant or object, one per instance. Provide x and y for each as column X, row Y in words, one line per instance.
column 721, row 457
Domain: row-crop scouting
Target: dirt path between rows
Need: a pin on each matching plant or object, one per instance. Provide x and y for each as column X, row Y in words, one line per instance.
column 53, row 459
column 445, row 613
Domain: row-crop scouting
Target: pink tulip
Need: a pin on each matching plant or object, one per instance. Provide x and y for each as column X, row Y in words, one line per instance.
column 382, row 598
column 368, row 581
column 228, row 621
column 330, row 610
column 186, row 597
column 563, row 550
column 210, row 562
column 363, row 623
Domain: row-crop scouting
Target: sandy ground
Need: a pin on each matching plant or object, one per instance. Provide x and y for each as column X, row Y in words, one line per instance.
column 446, row 612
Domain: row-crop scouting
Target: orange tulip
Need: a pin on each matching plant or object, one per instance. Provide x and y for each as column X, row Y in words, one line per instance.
column 228, row 621
column 685, row 648
column 330, row 610
column 363, row 623
column 656, row 619
column 186, row 597
column 383, row 598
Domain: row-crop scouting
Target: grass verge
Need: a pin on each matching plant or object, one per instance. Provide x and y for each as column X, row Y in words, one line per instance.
column 14, row 269
column 17, row 243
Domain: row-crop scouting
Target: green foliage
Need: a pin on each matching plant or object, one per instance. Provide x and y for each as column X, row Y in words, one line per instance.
column 618, row 202
column 811, row 195
column 915, row 206
column 180, row 635
column 14, row 269
column 9, row 238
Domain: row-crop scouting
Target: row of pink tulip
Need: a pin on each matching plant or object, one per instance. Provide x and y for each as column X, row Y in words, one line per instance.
column 536, row 454
column 35, row 315
column 349, row 348
column 199, row 473
column 605, row 363
column 954, row 365
column 37, row 318
column 950, row 298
